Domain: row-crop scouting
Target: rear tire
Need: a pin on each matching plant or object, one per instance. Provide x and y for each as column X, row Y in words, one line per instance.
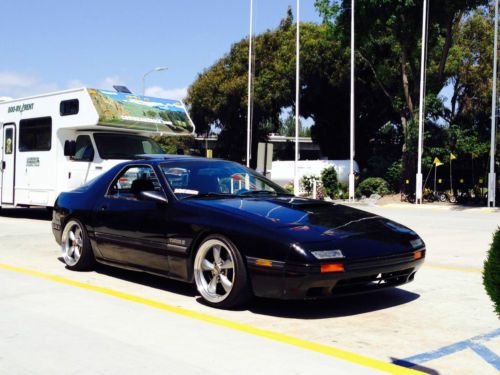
column 220, row 273
column 75, row 246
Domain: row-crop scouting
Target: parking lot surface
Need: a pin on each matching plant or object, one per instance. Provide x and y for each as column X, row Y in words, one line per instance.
column 442, row 323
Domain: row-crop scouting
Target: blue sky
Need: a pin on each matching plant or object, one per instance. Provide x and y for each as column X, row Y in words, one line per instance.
column 52, row 44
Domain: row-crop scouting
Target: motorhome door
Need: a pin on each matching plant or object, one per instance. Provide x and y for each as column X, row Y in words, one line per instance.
column 7, row 165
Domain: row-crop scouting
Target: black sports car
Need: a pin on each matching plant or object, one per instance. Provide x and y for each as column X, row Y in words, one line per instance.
column 231, row 231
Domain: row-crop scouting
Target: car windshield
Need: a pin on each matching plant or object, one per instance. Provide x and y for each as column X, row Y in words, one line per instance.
column 217, row 178
column 124, row 146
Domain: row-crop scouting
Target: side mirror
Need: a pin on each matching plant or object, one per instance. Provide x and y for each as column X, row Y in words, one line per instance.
column 69, row 148
column 155, row 196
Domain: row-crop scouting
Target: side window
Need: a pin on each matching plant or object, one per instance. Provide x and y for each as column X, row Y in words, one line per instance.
column 84, row 149
column 9, row 141
column 133, row 180
column 69, row 107
column 35, row 134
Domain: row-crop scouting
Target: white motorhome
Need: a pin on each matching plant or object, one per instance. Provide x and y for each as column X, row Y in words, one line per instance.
column 56, row 142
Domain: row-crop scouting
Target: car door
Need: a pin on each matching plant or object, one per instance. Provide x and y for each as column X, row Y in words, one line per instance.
column 8, row 164
column 80, row 164
column 129, row 230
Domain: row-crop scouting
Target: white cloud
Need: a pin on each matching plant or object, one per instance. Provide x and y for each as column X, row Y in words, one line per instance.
column 15, row 80
column 108, row 83
column 75, row 84
column 17, row 85
column 159, row 92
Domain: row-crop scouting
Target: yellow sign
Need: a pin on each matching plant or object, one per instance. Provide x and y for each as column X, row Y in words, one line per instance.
column 210, row 153
column 452, row 157
column 440, row 181
column 437, row 162
column 407, row 182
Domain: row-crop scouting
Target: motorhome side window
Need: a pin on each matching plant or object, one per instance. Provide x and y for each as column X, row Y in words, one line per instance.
column 84, row 149
column 69, row 107
column 9, row 141
column 35, row 134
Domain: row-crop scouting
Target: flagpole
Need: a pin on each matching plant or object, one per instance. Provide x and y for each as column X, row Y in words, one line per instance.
column 451, row 178
column 249, row 109
column 418, row 188
column 435, row 177
column 351, row 164
column 492, row 175
column 297, row 97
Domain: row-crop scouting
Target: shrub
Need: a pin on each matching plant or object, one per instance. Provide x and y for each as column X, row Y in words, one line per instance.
column 320, row 192
column 491, row 273
column 330, row 181
column 289, row 187
column 373, row 185
column 308, row 183
column 394, row 176
column 171, row 144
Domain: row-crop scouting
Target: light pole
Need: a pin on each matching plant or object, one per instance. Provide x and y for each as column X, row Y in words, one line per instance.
column 297, row 96
column 351, row 164
column 157, row 69
column 249, row 109
column 492, row 175
column 418, row 188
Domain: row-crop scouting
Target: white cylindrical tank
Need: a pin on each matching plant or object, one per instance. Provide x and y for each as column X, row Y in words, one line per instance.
column 282, row 171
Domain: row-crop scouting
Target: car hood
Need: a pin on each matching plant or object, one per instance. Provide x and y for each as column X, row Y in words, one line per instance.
column 316, row 224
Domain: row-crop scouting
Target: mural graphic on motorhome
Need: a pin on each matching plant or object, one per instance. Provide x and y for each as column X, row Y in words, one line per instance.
column 141, row 112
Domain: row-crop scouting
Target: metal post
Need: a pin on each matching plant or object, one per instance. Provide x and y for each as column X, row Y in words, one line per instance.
column 418, row 188
column 451, row 177
column 297, row 92
column 353, row 67
column 492, row 175
column 435, row 178
column 249, row 109
column 157, row 69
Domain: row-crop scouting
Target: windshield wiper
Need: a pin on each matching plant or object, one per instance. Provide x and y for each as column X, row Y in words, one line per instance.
column 210, row 195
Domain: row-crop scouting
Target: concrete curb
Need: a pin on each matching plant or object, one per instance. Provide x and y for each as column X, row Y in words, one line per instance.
column 428, row 206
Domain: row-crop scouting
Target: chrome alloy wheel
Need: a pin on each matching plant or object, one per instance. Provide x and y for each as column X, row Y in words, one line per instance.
column 214, row 270
column 72, row 243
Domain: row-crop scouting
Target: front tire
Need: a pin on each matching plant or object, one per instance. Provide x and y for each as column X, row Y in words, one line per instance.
column 220, row 273
column 75, row 246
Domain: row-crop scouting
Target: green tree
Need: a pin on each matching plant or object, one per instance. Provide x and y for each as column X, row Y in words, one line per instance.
column 219, row 95
column 172, row 144
column 287, row 127
column 388, row 36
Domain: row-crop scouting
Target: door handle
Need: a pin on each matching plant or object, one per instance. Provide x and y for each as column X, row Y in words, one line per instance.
column 3, row 165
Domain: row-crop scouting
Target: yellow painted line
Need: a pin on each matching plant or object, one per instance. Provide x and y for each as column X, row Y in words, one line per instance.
column 279, row 337
column 454, row 268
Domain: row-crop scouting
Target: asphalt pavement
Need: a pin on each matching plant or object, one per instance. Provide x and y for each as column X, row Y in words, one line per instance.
column 56, row 321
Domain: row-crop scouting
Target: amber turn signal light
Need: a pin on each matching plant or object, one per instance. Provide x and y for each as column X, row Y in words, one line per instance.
column 418, row 254
column 263, row 262
column 334, row 267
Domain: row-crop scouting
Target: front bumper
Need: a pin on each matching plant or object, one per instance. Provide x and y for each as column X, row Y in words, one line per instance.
column 304, row 281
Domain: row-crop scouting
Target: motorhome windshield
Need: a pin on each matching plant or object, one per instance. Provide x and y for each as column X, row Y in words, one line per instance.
column 124, row 146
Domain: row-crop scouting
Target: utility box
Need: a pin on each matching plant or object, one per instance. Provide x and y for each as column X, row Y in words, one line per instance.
column 264, row 158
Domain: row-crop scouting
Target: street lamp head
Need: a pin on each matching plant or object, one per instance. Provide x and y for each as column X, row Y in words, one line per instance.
column 160, row 68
